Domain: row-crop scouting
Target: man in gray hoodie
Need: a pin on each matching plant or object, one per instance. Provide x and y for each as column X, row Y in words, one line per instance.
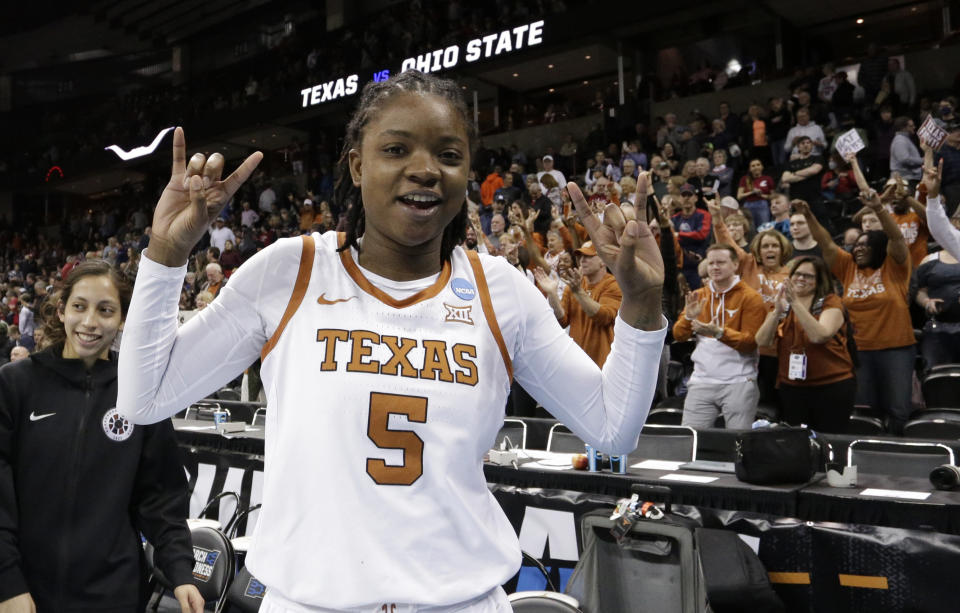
column 905, row 158
column 723, row 316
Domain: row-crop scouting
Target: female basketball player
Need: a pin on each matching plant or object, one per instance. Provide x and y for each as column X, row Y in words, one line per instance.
column 387, row 355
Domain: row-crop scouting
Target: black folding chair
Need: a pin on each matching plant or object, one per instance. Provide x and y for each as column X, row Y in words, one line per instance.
column 246, row 593
column 542, row 601
column 214, row 504
column 215, row 567
column 213, row 570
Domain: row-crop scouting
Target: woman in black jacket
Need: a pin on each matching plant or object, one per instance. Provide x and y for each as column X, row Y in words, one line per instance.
column 78, row 483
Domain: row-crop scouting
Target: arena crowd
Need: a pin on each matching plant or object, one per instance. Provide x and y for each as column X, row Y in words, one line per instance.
column 803, row 277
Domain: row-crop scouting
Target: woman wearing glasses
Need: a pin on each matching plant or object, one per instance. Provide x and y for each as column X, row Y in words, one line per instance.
column 816, row 374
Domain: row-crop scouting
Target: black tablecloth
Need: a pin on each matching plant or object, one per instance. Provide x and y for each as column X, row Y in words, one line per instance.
column 816, row 501
column 939, row 512
column 726, row 492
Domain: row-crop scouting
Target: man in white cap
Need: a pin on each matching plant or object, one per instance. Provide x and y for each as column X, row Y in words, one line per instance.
column 220, row 234
column 729, row 206
column 548, row 169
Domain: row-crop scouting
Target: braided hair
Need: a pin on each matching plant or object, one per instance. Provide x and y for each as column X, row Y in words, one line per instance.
column 372, row 98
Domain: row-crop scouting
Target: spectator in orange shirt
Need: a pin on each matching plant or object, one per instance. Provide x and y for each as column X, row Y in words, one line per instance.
column 806, row 327
column 491, row 184
column 307, row 215
column 764, row 267
column 910, row 215
column 589, row 304
column 876, row 280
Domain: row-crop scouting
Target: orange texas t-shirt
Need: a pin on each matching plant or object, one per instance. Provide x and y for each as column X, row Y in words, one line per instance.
column 877, row 302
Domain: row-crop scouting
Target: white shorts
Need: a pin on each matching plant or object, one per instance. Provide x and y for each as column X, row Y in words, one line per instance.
column 494, row 601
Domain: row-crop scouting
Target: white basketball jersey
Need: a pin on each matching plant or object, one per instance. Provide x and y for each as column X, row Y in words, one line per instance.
column 379, row 414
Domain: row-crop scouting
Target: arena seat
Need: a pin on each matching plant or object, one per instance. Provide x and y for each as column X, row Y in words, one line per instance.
column 942, row 425
column 668, row 411
column 945, row 368
column 864, row 424
column 561, row 439
column 667, row 442
column 204, row 411
column 669, row 416
column 259, row 418
column 515, row 430
column 936, row 413
column 228, row 393
column 942, row 388
column 897, row 458
column 866, row 409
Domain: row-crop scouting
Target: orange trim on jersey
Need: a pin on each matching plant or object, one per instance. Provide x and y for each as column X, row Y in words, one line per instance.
column 296, row 297
column 487, row 305
column 425, row 294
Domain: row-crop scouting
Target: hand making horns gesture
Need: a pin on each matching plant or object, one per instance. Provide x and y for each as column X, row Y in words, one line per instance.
column 191, row 200
column 628, row 248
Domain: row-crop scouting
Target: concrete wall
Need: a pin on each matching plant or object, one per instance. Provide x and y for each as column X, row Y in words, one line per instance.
column 535, row 139
column 739, row 98
column 932, row 69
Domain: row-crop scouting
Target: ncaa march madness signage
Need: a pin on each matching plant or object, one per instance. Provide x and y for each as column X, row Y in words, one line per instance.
column 506, row 41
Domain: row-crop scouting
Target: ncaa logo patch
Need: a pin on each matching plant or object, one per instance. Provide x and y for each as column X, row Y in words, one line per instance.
column 116, row 427
column 255, row 589
column 203, row 563
column 463, row 289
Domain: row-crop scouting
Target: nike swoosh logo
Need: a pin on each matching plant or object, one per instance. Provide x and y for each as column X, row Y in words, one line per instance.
column 323, row 300
column 139, row 151
column 35, row 417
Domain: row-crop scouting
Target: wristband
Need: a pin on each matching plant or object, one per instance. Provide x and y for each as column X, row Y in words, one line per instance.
column 719, row 334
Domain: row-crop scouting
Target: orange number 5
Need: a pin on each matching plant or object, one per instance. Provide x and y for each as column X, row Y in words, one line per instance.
column 415, row 410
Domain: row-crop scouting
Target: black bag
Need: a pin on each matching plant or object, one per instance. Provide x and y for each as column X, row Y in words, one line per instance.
column 735, row 578
column 779, row 454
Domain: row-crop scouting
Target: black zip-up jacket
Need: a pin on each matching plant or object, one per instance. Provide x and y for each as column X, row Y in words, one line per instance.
column 77, row 486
